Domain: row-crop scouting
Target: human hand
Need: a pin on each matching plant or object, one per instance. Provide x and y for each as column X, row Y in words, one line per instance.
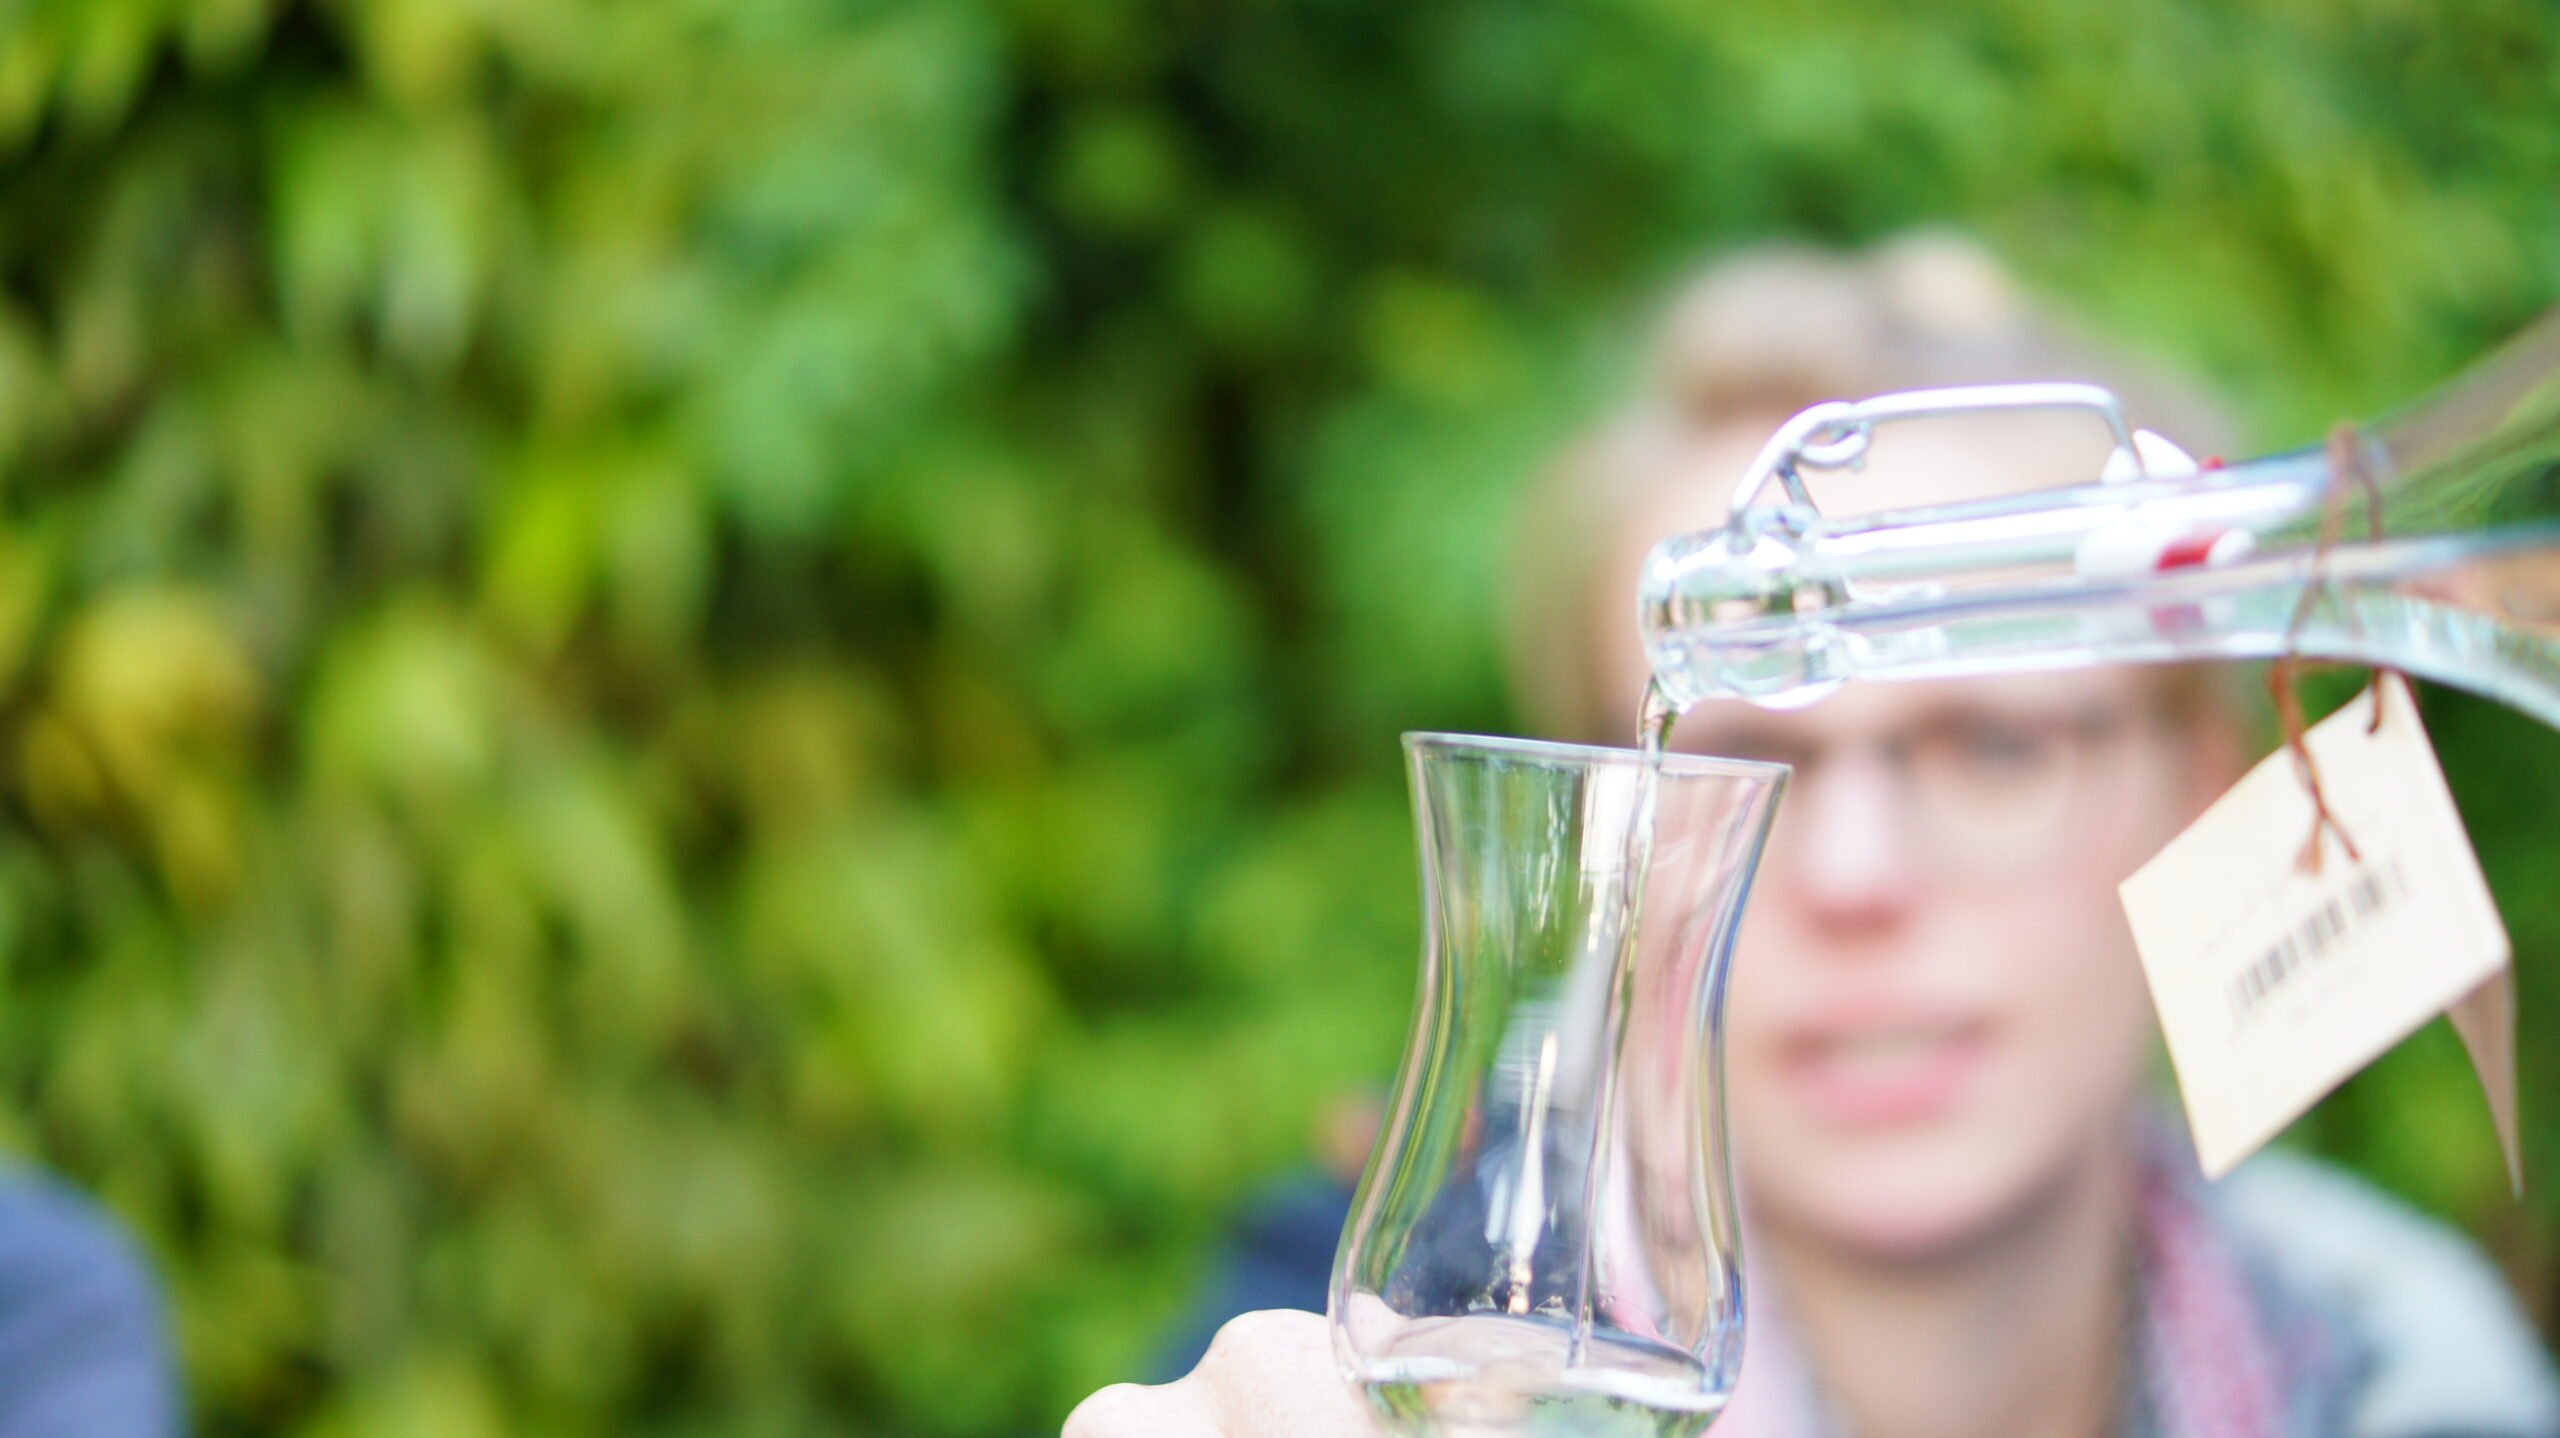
column 1266, row 1375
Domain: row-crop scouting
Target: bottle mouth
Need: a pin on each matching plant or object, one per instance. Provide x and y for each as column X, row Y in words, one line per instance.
column 1675, row 763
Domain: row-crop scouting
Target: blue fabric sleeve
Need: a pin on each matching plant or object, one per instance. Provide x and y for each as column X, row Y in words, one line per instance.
column 84, row 1339
column 1282, row 1257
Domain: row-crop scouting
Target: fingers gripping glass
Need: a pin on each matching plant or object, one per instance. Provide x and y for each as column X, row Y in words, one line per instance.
column 1544, row 1242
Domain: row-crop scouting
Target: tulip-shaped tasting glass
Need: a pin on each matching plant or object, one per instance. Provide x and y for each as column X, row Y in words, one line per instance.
column 1544, row 1242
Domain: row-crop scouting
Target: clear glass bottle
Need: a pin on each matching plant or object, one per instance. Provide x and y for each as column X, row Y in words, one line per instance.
column 2158, row 560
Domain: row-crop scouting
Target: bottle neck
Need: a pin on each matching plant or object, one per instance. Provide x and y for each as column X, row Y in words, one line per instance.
column 2430, row 542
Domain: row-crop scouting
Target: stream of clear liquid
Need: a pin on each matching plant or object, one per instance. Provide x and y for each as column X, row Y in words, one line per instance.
column 1496, row 1375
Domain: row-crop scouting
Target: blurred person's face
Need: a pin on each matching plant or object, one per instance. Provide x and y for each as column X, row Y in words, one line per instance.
column 1936, row 1017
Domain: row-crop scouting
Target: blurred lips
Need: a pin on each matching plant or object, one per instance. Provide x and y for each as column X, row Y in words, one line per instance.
column 1874, row 1070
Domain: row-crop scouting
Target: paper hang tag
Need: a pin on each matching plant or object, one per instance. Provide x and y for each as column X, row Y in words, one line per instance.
column 2275, row 983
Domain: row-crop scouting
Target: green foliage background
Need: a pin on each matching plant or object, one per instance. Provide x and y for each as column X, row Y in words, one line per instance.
column 697, row 697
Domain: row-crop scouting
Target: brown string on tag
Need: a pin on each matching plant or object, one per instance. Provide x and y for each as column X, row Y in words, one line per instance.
column 2346, row 464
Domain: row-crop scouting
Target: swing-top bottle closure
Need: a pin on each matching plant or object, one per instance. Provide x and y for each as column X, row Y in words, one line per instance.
column 2156, row 558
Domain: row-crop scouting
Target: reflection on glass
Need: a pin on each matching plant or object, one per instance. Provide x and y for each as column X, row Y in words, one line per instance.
column 1545, row 1242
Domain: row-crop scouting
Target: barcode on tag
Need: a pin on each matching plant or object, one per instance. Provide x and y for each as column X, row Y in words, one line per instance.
column 2274, row 979
column 2319, row 934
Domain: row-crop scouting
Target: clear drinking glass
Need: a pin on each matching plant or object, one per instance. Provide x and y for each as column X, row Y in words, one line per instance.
column 1544, row 1242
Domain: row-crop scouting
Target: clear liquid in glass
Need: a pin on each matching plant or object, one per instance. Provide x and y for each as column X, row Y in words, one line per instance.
column 1499, row 1376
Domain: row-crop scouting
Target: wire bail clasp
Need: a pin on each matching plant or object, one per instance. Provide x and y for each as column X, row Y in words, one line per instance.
column 1835, row 435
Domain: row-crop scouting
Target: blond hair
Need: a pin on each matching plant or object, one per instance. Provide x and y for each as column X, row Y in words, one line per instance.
column 1746, row 342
